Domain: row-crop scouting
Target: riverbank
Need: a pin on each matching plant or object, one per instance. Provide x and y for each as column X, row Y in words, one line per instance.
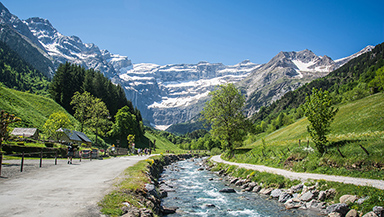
column 136, row 192
column 328, row 197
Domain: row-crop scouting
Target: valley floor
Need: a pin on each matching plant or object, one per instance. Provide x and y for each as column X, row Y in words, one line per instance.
column 306, row 176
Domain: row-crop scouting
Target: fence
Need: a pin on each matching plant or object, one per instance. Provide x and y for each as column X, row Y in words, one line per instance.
column 48, row 154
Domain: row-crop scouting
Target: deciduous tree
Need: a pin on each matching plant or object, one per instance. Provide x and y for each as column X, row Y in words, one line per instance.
column 56, row 121
column 224, row 113
column 320, row 113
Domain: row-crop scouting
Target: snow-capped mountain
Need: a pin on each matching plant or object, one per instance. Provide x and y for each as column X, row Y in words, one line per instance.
column 165, row 94
column 175, row 93
column 71, row 49
column 286, row 72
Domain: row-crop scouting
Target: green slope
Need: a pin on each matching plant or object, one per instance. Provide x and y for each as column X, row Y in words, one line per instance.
column 162, row 144
column 33, row 109
column 357, row 123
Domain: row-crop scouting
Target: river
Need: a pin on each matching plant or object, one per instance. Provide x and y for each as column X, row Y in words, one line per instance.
column 196, row 193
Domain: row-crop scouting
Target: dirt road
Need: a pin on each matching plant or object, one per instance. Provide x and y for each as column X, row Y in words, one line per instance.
column 62, row 190
column 305, row 176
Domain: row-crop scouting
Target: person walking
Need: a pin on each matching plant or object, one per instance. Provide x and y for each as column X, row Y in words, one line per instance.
column 70, row 152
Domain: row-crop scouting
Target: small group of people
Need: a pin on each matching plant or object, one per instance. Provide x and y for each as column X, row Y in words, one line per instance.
column 146, row 151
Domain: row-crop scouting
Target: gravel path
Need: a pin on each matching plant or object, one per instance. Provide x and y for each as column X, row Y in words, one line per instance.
column 59, row 190
column 305, row 176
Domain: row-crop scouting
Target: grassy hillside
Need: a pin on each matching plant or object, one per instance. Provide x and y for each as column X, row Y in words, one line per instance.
column 162, row 144
column 358, row 123
column 33, row 109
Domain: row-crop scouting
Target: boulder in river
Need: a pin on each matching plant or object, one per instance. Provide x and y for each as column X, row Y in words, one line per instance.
column 168, row 210
column 227, row 190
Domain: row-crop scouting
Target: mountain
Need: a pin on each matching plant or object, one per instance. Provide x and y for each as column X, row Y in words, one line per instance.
column 175, row 93
column 167, row 94
column 36, row 37
column 71, row 49
column 286, row 72
column 18, row 37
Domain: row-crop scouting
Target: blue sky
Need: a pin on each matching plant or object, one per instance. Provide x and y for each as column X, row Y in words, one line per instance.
column 181, row 31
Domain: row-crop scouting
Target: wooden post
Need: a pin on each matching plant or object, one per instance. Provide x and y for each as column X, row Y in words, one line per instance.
column 1, row 160
column 299, row 142
column 22, row 163
column 56, row 157
column 41, row 158
column 365, row 150
column 308, row 143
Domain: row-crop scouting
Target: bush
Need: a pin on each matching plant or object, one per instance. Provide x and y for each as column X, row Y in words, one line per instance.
column 216, row 151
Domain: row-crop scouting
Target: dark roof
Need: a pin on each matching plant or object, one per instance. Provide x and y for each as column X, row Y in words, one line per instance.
column 27, row 132
column 75, row 135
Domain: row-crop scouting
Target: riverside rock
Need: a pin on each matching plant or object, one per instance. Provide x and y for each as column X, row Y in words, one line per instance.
column 341, row 208
column 348, row 198
column 276, row 193
column 379, row 211
column 370, row 214
column 284, row 196
column 308, row 196
column 352, row 213
column 266, row 191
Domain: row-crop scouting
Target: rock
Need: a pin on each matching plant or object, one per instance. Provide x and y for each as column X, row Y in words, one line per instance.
column 370, row 214
column 293, row 204
column 322, row 195
column 168, row 210
column 151, row 189
column 341, row 208
column 284, row 197
column 145, row 212
column 352, row 213
column 308, row 196
column 378, row 210
column 334, row 214
column 276, row 193
column 200, row 169
column 297, row 188
column 233, row 181
column 240, row 182
column 348, row 199
column 266, row 191
column 315, row 205
column 256, row 189
column 209, row 205
column 210, row 179
column 227, row 190
column 361, row 200
column 331, row 193
column 163, row 193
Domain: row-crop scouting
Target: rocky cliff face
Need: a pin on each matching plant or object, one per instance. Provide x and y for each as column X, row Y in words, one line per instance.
column 175, row 93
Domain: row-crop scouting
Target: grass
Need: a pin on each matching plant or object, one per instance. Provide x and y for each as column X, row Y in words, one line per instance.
column 132, row 181
column 162, row 144
column 357, row 124
column 33, row 109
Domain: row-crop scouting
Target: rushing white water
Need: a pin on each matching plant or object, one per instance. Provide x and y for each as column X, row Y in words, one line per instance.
column 196, row 193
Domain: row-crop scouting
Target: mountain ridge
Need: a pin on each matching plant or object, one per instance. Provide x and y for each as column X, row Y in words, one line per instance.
column 175, row 93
